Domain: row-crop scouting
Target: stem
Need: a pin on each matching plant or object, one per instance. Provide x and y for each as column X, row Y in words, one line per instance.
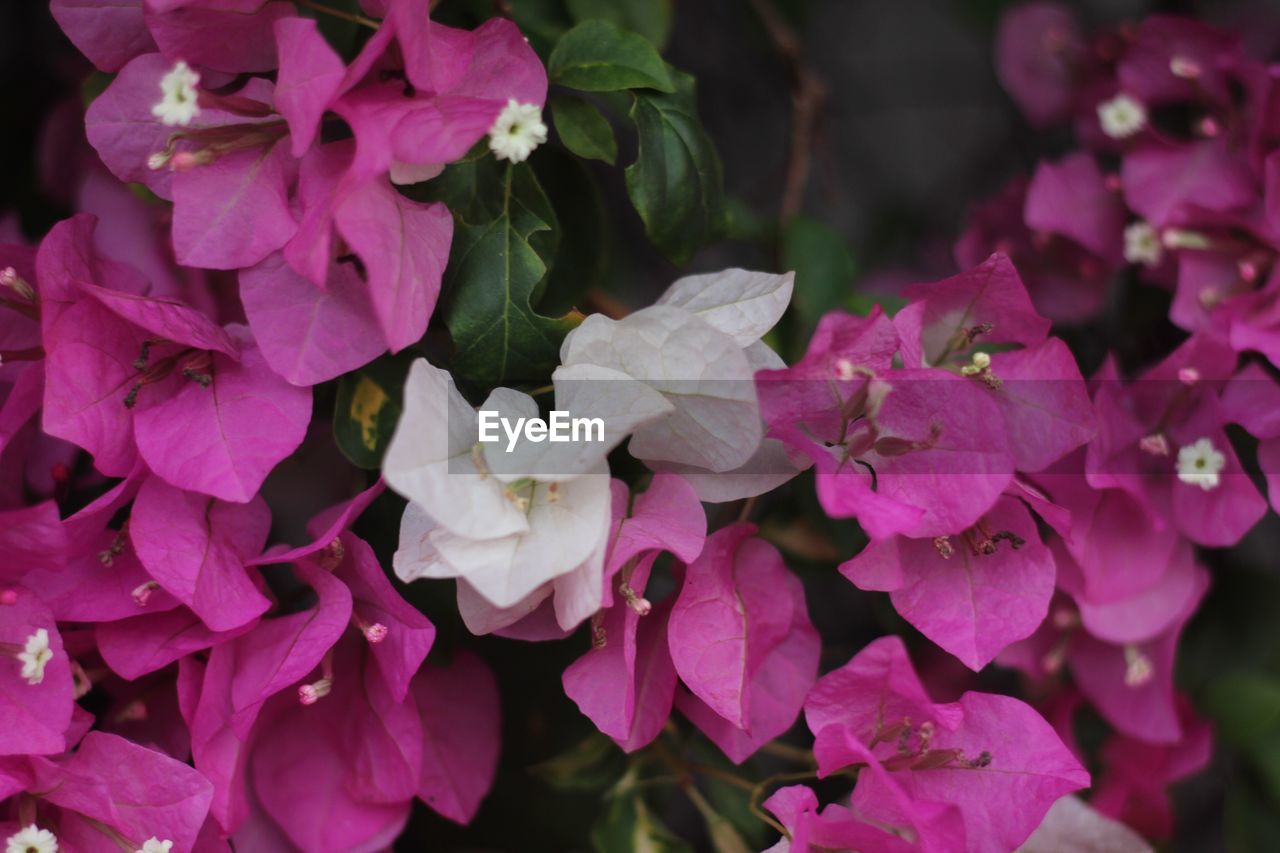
column 29, row 354
column 788, row 752
column 545, row 389
column 808, row 97
column 338, row 13
column 26, row 309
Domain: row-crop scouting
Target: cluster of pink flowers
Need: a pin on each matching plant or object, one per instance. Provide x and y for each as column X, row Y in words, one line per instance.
column 121, row 342
column 278, row 695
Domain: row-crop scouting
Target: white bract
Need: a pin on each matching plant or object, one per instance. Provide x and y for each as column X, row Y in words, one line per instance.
column 699, row 347
column 1071, row 824
column 516, row 131
column 155, row 845
column 180, row 102
column 31, row 839
column 522, row 520
column 1122, row 116
column 506, row 522
column 1200, row 464
column 35, row 655
column 1142, row 244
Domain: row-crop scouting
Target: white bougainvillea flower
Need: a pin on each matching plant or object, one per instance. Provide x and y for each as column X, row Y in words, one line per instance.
column 516, row 131
column 1142, row 244
column 31, row 839
column 35, row 655
column 1200, row 464
column 699, row 346
column 506, row 522
column 568, row 521
column 589, row 391
column 432, row 460
column 703, row 373
column 179, row 103
column 742, row 304
column 155, row 845
column 1122, row 116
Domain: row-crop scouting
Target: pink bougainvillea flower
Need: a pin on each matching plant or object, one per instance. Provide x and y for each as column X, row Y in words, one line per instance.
column 1252, row 400
column 1134, row 786
column 626, row 682
column 243, row 673
column 128, row 371
column 987, row 303
column 341, row 771
column 1162, row 438
column 1120, row 652
column 1131, row 684
column 32, row 539
column 914, row 824
column 108, row 32
column 741, row 641
column 224, row 35
column 111, row 794
column 1037, row 53
column 990, row 756
column 1042, row 397
column 348, row 766
column 1071, row 198
column 1161, row 183
column 399, row 636
column 973, row 593
column 247, row 178
column 1067, row 283
column 917, row 454
column 1172, row 58
column 726, row 619
column 905, row 451
column 196, row 548
column 776, row 689
column 36, row 697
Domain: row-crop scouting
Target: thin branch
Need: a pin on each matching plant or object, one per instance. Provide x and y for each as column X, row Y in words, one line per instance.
column 338, row 13
column 808, row 99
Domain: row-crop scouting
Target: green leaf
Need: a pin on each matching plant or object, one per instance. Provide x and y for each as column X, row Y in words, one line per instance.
column 494, row 279
column 543, row 22
column 593, row 764
column 583, row 262
column 724, row 838
column 676, row 183
column 1252, row 822
column 471, row 189
column 597, row 56
column 583, row 130
column 649, row 18
column 824, row 270
column 367, row 407
column 1245, row 706
column 629, row 825
column 729, row 801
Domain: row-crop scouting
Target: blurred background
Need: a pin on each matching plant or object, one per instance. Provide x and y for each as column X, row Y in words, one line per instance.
column 909, row 128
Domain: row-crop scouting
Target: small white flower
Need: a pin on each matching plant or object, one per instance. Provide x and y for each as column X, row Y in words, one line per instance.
column 31, row 839
column 1142, row 244
column 155, row 845
column 517, row 131
column 1122, row 116
column 179, row 104
column 1199, row 464
column 35, row 655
